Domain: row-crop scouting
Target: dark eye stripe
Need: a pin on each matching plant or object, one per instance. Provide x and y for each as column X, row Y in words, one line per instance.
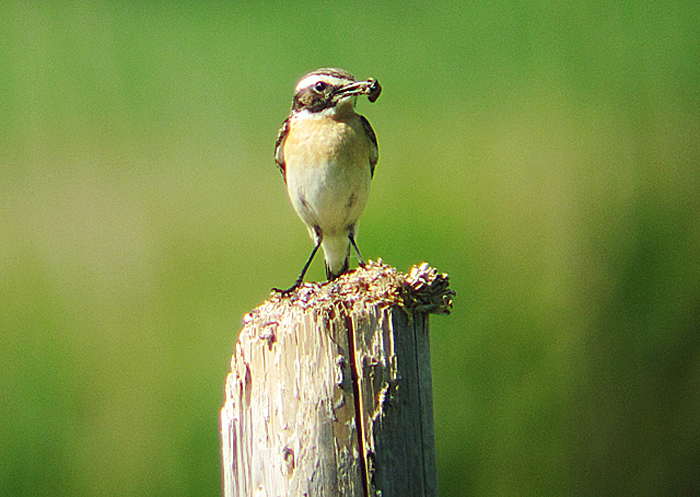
column 311, row 100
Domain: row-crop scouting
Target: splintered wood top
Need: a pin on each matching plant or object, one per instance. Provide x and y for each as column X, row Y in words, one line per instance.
column 422, row 289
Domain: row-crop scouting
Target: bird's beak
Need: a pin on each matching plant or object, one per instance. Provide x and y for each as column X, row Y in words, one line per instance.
column 371, row 88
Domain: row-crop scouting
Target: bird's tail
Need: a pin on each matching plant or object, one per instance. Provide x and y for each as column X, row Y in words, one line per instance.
column 337, row 252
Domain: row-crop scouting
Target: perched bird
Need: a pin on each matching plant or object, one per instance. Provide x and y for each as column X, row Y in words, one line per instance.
column 327, row 154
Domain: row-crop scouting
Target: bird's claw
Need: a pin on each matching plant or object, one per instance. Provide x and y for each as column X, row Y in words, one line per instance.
column 287, row 291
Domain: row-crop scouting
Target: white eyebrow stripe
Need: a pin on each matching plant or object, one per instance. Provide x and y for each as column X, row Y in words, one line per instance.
column 309, row 81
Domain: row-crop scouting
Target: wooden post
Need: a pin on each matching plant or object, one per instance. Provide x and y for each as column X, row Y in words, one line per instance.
column 330, row 390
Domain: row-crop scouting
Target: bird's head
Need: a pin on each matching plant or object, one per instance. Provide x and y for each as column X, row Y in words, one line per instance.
column 332, row 91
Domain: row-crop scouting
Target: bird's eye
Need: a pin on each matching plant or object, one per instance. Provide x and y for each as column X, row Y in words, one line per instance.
column 320, row 86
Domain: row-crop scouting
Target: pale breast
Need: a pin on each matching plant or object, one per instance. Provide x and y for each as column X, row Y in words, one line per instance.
column 315, row 141
column 328, row 170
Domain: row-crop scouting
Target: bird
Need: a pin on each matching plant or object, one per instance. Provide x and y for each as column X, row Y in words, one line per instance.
column 327, row 154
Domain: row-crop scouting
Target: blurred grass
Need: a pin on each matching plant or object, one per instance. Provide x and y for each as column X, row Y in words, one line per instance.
column 545, row 155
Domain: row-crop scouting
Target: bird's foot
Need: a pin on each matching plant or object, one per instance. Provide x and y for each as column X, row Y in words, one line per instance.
column 289, row 290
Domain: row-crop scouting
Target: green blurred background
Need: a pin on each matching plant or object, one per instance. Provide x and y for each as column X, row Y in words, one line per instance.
column 546, row 155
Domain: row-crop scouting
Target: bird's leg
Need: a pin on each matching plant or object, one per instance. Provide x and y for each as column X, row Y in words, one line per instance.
column 351, row 236
column 300, row 279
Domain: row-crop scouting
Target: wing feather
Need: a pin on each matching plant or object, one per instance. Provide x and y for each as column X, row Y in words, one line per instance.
column 374, row 154
column 279, row 147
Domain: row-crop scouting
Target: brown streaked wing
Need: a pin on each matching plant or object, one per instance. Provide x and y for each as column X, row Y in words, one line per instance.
column 279, row 147
column 374, row 155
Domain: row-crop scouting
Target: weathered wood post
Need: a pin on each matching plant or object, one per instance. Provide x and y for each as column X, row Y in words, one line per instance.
column 330, row 390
